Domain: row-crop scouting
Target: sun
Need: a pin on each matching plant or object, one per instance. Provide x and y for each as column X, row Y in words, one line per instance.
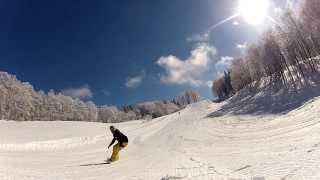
column 254, row 11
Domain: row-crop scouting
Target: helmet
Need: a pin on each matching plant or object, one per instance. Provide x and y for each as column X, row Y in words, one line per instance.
column 112, row 128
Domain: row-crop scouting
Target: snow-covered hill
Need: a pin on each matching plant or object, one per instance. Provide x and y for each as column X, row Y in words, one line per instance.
column 185, row 145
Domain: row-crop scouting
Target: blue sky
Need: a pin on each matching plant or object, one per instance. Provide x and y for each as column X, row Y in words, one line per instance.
column 121, row 52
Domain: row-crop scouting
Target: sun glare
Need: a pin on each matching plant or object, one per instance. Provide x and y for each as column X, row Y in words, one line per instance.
column 254, row 11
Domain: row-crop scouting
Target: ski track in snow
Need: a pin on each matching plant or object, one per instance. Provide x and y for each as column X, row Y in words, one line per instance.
column 186, row 146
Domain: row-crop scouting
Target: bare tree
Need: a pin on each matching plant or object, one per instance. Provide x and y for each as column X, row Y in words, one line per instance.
column 288, row 52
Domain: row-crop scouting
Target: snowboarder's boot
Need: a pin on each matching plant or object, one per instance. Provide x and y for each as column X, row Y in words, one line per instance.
column 108, row 160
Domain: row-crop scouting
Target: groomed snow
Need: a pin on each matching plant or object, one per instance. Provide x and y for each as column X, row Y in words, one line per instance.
column 185, row 145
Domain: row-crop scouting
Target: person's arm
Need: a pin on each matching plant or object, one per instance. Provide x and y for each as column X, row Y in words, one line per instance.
column 113, row 140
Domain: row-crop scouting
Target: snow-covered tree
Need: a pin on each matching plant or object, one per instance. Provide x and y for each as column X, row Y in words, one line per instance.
column 19, row 101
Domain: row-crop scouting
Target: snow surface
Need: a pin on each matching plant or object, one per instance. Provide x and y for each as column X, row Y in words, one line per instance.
column 186, row 145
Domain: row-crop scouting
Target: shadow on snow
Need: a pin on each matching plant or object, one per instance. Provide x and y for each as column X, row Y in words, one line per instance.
column 95, row 164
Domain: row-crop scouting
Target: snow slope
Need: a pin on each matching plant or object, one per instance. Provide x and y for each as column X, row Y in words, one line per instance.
column 185, row 145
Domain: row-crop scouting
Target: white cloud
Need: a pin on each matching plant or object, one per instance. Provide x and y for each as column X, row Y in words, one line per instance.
column 209, row 84
column 133, row 82
column 224, row 62
column 189, row 71
column 242, row 46
column 82, row 92
column 105, row 92
column 222, row 65
column 199, row 38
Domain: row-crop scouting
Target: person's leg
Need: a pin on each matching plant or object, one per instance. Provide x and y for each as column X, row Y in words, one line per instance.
column 115, row 152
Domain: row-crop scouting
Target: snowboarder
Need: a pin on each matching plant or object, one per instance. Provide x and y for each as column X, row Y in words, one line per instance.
column 122, row 143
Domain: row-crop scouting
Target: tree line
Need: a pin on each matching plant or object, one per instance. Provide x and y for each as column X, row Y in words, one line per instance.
column 19, row 101
column 287, row 52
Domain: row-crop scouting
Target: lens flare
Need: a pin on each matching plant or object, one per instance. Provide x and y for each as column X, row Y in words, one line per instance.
column 254, row 11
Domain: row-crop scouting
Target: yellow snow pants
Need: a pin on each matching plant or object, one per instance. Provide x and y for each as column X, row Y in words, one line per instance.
column 116, row 149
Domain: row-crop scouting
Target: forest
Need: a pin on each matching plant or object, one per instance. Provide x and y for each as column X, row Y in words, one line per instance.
column 21, row 102
column 288, row 52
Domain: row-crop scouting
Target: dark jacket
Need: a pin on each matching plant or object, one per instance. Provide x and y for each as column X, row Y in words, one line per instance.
column 121, row 138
